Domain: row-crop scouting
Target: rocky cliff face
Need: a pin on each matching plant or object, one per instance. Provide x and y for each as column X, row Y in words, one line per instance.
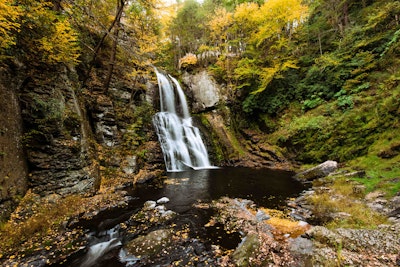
column 206, row 93
column 56, row 134
column 57, row 138
column 13, row 167
column 229, row 146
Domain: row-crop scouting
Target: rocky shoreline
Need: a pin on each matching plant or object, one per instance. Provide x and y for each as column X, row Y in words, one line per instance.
column 369, row 246
column 258, row 236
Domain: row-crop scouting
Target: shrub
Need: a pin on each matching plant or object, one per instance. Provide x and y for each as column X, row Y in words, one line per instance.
column 188, row 61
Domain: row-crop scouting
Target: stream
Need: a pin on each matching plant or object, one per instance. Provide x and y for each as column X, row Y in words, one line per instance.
column 265, row 187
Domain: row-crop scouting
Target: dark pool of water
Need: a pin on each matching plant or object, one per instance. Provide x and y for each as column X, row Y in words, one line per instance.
column 267, row 188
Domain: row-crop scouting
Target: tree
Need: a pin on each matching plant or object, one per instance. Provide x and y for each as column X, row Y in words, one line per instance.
column 187, row 30
column 44, row 35
column 266, row 31
column 110, row 68
column 9, row 24
column 219, row 27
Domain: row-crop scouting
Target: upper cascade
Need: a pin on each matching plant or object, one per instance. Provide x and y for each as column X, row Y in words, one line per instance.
column 180, row 141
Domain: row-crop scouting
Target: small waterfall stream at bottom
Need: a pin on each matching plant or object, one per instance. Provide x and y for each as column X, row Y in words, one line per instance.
column 101, row 248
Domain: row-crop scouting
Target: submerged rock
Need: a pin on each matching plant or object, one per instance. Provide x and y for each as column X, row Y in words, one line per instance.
column 319, row 171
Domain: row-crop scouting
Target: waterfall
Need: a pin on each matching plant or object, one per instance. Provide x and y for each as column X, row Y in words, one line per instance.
column 180, row 141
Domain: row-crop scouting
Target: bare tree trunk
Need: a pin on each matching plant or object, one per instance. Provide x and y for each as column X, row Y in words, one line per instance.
column 345, row 14
column 133, row 91
column 319, row 42
column 56, row 5
column 111, row 63
column 121, row 4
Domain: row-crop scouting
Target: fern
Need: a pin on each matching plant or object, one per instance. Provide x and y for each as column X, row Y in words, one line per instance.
column 391, row 42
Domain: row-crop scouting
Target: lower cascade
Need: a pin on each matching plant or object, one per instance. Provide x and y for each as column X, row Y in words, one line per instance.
column 180, row 141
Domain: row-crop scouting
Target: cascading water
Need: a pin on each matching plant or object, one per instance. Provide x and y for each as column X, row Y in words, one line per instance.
column 180, row 141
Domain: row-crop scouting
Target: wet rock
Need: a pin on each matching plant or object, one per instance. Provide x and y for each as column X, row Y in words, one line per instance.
column 39, row 261
column 151, row 214
column 163, row 200
column 168, row 215
column 149, row 245
column 160, row 209
column 246, row 250
column 149, row 205
column 146, row 175
column 319, row 171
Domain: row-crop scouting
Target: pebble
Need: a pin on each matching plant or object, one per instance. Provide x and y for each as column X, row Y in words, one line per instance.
column 149, row 205
column 302, row 223
column 261, row 216
column 163, row 200
column 160, row 209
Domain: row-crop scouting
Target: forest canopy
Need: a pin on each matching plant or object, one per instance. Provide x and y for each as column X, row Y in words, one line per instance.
column 268, row 53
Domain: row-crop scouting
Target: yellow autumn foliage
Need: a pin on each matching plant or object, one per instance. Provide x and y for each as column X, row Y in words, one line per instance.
column 61, row 45
column 220, row 23
column 265, row 32
column 41, row 33
column 247, row 17
column 188, row 60
column 9, row 24
column 277, row 16
column 49, row 34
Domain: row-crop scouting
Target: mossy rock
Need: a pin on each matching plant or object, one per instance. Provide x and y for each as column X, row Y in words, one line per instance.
column 246, row 250
column 151, row 244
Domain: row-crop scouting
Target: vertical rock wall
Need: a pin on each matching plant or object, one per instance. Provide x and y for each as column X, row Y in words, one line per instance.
column 13, row 168
column 227, row 145
column 56, row 142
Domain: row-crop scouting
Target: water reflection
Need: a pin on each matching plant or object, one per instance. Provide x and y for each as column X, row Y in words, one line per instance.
column 268, row 188
column 185, row 188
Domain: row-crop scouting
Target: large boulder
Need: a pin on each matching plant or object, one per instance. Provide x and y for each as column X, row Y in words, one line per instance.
column 246, row 250
column 204, row 89
column 357, row 247
column 319, row 171
column 151, row 244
